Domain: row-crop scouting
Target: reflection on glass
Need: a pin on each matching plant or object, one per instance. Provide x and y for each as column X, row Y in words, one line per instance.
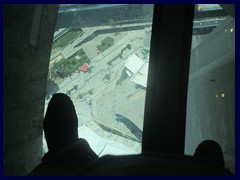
column 211, row 91
column 99, row 58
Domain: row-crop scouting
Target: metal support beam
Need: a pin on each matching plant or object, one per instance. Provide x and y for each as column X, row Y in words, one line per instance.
column 165, row 109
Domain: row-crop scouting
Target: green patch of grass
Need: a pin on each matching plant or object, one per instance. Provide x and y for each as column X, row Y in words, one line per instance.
column 66, row 38
column 80, row 52
column 55, row 50
column 105, row 44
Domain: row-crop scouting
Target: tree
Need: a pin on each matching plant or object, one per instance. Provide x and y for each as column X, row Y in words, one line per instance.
column 73, row 62
column 75, row 87
column 120, row 55
column 107, row 77
column 68, row 92
column 90, row 92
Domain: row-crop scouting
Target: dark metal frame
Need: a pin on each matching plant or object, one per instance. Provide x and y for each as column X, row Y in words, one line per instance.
column 166, row 98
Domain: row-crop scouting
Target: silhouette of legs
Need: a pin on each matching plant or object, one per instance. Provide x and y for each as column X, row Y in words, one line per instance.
column 67, row 154
column 60, row 123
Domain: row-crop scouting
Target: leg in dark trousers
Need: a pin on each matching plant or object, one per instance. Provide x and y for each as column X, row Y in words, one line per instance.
column 67, row 154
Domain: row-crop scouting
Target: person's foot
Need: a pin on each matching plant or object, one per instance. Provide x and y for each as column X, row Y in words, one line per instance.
column 60, row 123
column 211, row 149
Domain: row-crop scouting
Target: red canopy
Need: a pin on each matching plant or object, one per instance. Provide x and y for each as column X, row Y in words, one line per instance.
column 84, row 67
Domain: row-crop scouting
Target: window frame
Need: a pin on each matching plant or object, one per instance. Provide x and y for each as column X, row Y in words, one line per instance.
column 167, row 85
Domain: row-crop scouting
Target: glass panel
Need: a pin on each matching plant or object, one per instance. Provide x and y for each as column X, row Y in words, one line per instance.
column 211, row 91
column 99, row 57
